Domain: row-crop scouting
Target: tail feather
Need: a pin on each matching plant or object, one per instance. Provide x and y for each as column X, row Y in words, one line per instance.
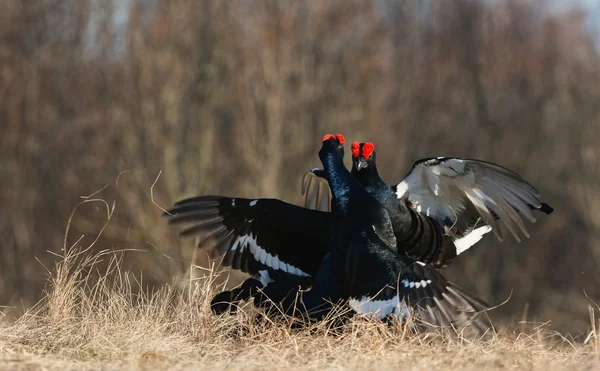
column 436, row 301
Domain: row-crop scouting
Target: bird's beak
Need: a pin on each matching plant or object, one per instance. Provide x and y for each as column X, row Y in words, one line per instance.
column 360, row 165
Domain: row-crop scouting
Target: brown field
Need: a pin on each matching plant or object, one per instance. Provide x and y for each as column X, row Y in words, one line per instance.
column 94, row 315
column 109, row 324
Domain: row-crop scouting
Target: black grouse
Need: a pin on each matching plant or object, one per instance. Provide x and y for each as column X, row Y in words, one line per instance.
column 271, row 240
column 444, row 205
column 364, row 267
column 245, row 232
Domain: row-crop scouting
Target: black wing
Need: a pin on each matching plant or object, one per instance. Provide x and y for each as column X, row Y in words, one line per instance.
column 256, row 235
column 438, row 301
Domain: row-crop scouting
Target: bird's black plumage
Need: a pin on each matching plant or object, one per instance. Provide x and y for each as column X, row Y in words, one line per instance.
column 364, row 267
column 266, row 238
column 420, row 236
column 441, row 208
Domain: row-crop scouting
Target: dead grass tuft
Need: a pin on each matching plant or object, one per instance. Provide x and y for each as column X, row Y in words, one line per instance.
column 90, row 319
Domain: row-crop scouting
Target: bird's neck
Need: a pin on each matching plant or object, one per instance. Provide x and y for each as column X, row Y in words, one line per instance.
column 340, row 181
column 345, row 187
column 383, row 193
column 369, row 178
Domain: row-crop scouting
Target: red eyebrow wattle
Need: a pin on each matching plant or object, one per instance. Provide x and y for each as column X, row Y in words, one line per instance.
column 355, row 149
column 327, row 137
column 341, row 138
column 368, row 149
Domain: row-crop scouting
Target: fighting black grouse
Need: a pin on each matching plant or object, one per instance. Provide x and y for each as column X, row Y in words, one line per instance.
column 364, row 267
column 444, row 205
column 265, row 237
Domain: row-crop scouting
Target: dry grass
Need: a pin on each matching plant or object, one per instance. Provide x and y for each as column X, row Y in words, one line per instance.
column 94, row 316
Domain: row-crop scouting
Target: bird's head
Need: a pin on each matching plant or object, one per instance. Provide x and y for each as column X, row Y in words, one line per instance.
column 333, row 143
column 363, row 155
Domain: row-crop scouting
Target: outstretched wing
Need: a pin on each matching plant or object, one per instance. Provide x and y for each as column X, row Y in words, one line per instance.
column 316, row 191
column 463, row 193
column 256, row 236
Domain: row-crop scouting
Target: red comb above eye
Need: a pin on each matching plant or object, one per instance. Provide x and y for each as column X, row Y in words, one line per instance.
column 368, row 149
column 355, row 149
column 327, row 137
column 341, row 138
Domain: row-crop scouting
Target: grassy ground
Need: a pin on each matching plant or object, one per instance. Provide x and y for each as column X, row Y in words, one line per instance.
column 92, row 320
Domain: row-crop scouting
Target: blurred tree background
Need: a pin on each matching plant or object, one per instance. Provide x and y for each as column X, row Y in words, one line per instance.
column 232, row 98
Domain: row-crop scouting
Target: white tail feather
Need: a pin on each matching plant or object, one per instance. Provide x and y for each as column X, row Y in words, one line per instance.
column 470, row 239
